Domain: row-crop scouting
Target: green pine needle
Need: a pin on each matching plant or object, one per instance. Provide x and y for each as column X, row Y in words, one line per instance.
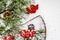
column 18, row 7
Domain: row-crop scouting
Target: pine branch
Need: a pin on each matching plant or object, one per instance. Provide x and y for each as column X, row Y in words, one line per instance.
column 18, row 8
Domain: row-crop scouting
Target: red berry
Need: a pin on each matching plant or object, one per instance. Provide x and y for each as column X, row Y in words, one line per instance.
column 33, row 32
column 32, row 9
column 36, row 6
column 4, row 38
column 27, row 35
column 10, row 37
column 22, row 33
column 31, row 35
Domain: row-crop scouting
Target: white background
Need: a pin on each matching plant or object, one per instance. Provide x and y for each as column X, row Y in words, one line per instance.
column 50, row 11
